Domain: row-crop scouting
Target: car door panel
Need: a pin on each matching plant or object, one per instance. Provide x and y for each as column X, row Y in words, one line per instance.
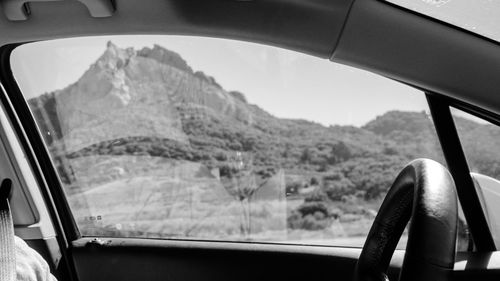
column 143, row 259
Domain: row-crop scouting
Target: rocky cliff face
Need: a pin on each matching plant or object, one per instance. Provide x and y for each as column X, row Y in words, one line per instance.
column 151, row 102
column 128, row 93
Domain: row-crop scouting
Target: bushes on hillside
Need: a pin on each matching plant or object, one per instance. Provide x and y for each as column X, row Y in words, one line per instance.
column 336, row 185
column 310, row 216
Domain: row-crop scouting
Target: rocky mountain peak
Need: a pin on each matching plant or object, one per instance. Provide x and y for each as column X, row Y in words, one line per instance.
column 143, row 92
column 114, row 57
column 165, row 56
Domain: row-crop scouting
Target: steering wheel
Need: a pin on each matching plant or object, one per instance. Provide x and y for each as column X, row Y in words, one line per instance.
column 424, row 190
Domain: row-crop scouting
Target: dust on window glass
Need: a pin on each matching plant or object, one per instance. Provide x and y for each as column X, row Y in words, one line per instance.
column 200, row 138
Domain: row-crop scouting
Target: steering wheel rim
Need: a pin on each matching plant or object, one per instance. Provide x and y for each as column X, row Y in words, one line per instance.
column 425, row 192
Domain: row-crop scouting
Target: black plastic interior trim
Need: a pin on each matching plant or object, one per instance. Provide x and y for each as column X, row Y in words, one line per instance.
column 342, row 28
column 37, row 155
column 214, row 260
column 117, row 242
column 310, row 27
column 482, row 266
column 457, row 164
column 436, row 20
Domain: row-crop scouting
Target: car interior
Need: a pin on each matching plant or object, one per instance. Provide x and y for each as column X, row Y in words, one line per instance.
column 457, row 70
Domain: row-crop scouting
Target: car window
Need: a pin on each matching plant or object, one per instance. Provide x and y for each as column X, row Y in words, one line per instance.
column 181, row 137
column 480, row 141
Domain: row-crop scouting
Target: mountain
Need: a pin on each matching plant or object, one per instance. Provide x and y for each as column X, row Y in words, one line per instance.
column 154, row 93
column 151, row 102
column 412, row 133
column 135, row 91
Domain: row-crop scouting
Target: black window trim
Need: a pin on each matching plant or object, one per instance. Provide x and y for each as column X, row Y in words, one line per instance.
column 457, row 164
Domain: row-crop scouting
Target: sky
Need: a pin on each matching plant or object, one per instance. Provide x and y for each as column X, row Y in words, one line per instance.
column 285, row 83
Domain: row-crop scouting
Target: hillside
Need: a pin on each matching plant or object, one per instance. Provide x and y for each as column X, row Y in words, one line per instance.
column 135, row 113
column 151, row 102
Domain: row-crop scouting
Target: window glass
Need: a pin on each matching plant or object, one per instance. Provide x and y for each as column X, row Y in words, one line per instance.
column 200, row 138
column 480, row 141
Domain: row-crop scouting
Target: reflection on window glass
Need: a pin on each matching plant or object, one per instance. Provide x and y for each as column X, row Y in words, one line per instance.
column 198, row 138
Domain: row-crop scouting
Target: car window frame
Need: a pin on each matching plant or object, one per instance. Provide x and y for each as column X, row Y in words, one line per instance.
column 440, row 107
column 39, row 160
column 45, row 172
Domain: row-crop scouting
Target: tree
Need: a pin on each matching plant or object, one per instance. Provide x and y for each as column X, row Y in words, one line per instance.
column 336, row 185
column 306, row 156
column 314, row 181
column 340, row 152
column 242, row 182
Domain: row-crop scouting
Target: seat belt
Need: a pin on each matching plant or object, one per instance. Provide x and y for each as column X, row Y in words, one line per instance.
column 7, row 246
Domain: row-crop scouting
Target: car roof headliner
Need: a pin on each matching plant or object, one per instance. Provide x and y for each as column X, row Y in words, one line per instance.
column 368, row 34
